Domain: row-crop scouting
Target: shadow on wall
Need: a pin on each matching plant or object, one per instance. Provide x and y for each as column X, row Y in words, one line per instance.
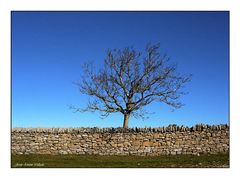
column 171, row 140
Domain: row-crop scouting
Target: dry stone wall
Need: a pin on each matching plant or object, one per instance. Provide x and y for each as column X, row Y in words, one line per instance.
column 171, row 140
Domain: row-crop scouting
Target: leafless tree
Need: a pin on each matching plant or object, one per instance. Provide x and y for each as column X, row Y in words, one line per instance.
column 130, row 80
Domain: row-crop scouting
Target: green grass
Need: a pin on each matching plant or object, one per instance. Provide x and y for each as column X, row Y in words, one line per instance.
column 94, row 161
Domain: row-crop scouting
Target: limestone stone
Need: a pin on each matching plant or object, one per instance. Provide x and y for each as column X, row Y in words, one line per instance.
column 127, row 144
column 147, row 150
column 168, row 143
column 147, row 143
column 62, row 152
column 156, row 136
column 136, row 143
column 120, row 145
column 155, row 144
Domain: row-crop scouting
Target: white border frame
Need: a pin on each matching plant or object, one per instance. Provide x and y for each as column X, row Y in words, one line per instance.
column 119, row 175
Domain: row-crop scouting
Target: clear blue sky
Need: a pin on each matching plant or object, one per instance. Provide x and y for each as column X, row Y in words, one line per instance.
column 49, row 48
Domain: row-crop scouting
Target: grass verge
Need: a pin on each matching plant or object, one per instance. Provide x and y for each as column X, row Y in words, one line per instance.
column 95, row 161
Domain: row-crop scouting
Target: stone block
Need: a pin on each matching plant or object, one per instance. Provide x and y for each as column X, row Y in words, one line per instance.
column 147, row 143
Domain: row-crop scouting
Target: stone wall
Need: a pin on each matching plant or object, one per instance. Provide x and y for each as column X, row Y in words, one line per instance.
column 171, row 140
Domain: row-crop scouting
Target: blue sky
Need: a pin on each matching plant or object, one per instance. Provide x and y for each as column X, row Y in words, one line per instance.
column 49, row 48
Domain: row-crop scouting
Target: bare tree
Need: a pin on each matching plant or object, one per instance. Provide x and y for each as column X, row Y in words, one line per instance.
column 130, row 80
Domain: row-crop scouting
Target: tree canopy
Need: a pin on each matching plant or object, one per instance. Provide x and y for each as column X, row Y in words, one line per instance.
column 130, row 80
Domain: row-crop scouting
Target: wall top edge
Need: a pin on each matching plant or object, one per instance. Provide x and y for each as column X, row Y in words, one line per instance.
column 170, row 128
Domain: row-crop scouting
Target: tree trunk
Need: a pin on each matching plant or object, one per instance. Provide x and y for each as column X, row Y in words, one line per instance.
column 125, row 122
